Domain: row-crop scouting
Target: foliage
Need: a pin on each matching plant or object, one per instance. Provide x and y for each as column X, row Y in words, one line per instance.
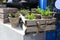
column 30, row 16
column 38, row 10
column 24, row 11
column 46, row 12
column 17, row 14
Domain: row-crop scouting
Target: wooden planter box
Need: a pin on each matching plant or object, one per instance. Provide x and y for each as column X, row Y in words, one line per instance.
column 37, row 25
column 4, row 12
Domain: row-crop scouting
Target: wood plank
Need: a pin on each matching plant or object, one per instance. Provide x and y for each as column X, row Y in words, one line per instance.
column 34, row 22
column 8, row 10
column 44, row 24
column 2, row 15
column 42, row 28
column 6, row 20
column 41, row 21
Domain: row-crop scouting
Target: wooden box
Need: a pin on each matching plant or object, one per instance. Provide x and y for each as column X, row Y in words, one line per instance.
column 38, row 24
column 4, row 13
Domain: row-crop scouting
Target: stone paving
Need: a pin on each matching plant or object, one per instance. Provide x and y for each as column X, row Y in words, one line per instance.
column 7, row 33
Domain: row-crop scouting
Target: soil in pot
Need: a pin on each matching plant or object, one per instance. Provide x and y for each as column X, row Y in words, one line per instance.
column 14, row 22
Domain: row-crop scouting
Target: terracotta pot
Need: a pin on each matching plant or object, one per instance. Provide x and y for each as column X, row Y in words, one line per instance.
column 14, row 22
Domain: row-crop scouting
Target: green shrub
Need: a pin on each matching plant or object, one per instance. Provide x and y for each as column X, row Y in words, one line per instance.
column 30, row 16
column 46, row 12
column 38, row 10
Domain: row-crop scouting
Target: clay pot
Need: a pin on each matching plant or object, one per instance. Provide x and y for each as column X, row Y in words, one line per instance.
column 14, row 22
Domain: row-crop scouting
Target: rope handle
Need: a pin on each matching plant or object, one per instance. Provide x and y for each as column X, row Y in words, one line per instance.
column 39, row 26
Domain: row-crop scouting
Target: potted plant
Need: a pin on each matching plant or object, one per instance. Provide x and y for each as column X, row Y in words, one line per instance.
column 47, row 19
column 33, row 24
column 14, row 19
column 30, row 22
column 41, row 21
